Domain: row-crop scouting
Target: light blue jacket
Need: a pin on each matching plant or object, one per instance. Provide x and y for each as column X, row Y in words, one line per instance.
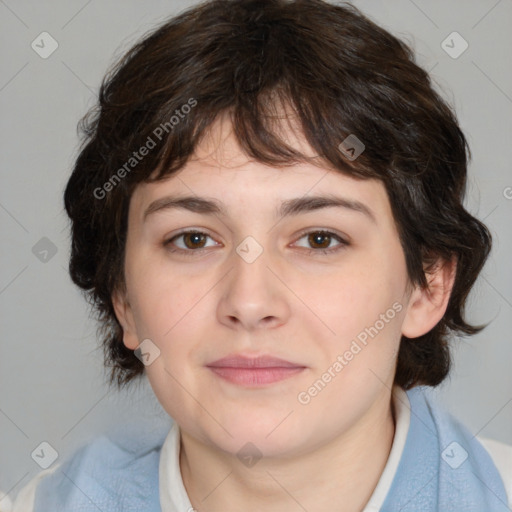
column 443, row 468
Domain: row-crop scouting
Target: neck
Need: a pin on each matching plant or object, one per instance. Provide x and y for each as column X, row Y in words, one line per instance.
column 344, row 471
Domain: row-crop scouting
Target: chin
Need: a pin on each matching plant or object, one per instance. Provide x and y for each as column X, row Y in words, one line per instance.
column 269, row 437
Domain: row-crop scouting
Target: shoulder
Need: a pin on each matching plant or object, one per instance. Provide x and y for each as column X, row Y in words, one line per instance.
column 501, row 454
column 24, row 501
column 115, row 470
column 486, row 455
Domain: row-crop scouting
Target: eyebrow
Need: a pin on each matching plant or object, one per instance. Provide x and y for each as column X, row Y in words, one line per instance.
column 287, row 208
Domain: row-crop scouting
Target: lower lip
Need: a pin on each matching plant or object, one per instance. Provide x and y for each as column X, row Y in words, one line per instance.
column 255, row 376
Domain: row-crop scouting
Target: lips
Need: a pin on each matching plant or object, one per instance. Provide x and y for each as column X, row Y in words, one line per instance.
column 254, row 371
column 235, row 361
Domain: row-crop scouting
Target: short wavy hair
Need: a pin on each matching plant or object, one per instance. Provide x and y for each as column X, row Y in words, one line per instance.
column 343, row 75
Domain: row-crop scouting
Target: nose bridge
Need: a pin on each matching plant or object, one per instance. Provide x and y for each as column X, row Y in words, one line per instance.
column 250, row 273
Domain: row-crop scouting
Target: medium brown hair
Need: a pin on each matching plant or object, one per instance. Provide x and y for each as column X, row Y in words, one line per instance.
column 343, row 75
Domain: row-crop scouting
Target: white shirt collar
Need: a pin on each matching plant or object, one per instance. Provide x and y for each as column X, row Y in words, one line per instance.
column 173, row 496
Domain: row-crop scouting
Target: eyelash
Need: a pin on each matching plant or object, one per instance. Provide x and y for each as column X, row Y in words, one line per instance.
column 193, row 252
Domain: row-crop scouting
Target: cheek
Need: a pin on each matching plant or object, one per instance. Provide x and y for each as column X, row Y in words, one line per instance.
column 352, row 300
column 363, row 310
column 162, row 298
column 167, row 314
column 170, row 311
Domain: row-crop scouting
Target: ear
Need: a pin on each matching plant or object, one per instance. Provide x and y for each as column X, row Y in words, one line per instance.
column 426, row 307
column 125, row 317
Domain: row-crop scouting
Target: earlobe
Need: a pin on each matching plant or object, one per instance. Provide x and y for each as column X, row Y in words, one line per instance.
column 427, row 307
column 124, row 316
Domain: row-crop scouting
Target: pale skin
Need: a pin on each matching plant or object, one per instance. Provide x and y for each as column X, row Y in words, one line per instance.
column 305, row 308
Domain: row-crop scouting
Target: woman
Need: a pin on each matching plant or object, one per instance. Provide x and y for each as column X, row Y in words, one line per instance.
column 268, row 215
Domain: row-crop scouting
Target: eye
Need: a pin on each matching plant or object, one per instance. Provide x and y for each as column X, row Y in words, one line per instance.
column 193, row 240
column 321, row 240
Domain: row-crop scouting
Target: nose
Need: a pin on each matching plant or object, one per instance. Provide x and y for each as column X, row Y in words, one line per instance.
column 254, row 295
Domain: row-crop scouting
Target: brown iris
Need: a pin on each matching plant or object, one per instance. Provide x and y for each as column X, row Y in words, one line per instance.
column 313, row 237
column 195, row 237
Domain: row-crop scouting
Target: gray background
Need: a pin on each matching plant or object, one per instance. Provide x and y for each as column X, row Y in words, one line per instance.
column 53, row 387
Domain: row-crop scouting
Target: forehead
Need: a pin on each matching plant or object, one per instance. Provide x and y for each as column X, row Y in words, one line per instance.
column 221, row 170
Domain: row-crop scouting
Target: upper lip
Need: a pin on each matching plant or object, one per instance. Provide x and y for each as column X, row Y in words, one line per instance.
column 265, row 361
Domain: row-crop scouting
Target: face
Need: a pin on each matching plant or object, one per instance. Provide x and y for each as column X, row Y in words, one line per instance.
column 324, row 289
